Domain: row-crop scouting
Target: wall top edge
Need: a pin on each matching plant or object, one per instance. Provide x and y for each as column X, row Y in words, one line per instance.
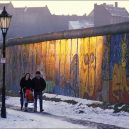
column 71, row 34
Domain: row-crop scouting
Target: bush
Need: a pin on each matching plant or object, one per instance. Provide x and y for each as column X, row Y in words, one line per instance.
column 59, row 100
column 70, row 101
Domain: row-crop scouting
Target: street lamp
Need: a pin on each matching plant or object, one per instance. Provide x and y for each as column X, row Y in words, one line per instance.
column 5, row 19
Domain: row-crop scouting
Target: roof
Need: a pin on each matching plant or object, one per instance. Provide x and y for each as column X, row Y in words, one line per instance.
column 26, row 9
column 91, row 14
column 33, row 9
column 116, row 11
column 5, row 4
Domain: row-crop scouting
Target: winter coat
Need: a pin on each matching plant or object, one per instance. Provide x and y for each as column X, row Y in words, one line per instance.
column 38, row 84
column 26, row 84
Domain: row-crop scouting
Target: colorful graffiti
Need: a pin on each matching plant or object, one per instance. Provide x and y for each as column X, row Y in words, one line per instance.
column 91, row 54
column 93, row 67
column 119, row 87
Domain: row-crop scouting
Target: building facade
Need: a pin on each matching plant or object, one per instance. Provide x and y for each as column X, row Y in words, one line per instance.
column 108, row 14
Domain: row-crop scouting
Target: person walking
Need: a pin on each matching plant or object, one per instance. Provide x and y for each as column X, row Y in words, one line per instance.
column 39, row 86
column 26, row 84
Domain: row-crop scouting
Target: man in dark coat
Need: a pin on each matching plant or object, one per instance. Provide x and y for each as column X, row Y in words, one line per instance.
column 39, row 86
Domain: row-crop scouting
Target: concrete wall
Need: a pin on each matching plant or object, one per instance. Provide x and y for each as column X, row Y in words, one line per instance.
column 88, row 63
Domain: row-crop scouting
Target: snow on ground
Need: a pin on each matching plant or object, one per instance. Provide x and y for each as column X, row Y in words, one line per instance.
column 17, row 119
column 72, row 111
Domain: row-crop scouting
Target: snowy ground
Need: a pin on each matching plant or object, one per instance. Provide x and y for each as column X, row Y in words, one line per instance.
column 63, row 109
column 91, row 114
column 18, row 119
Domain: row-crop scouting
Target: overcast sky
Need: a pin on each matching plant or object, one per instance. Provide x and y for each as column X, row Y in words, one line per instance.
column 67, row 7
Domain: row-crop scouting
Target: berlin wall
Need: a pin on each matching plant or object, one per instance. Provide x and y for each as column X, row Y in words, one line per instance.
column 90, row 63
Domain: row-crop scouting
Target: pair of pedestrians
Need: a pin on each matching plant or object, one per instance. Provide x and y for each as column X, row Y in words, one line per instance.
column 36, row 85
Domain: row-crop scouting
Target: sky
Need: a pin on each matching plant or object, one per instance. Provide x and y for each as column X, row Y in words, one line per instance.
column 66, row 7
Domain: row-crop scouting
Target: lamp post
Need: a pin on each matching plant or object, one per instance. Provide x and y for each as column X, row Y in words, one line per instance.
column 5, row 19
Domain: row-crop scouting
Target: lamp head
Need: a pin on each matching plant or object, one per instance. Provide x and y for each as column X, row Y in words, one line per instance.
column 5, row 20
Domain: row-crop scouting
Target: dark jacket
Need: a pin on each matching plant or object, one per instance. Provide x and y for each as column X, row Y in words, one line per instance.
column 38, row 84
column 26, row 84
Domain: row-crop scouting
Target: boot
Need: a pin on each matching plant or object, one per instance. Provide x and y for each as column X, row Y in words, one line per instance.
column 26, row 110
column 41, row 110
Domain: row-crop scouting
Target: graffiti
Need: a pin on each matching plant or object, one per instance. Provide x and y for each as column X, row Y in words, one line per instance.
column 84, row 67
column 119, row 87
column 74, row 70
column 105, row 70
column 49, row 86
column 119, row 84
column 86, row 59
column 124, row 51
column 92, row 67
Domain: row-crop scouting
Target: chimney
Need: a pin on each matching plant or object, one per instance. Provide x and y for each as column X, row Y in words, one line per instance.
column 95, row 4
column 116, row 4
column 104, row 4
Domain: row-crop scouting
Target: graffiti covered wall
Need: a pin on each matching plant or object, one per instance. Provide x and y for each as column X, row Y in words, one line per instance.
column 70, row 66
column 119, row 68
column 94, row 67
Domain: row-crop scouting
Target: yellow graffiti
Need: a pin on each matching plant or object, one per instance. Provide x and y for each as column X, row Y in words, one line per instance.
column 124, row 51
column 92, row 64
column 84, row 67
column 119, row 81
column 76, row 62
column 91, row 53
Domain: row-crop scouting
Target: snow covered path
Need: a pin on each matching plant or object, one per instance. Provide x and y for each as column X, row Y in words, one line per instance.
column 84, row 123
column 59, row 114
column 18, row 119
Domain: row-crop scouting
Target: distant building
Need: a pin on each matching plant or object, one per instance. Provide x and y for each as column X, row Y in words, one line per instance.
column 30, row 21
column 102, row 15
column 108, row 14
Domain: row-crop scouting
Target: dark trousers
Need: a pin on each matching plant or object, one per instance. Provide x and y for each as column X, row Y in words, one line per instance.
column 22, row 96
column 26, row 103
column 38, row 94
column 21, row 99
